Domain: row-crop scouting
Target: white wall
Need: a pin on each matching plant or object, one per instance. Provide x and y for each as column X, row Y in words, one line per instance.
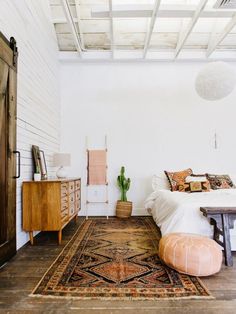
column 38, row 117
column 153, row 118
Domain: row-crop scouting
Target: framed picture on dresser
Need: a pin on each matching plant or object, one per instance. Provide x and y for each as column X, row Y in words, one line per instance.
column 39, row 160
column 43, row 165
column 36, row 159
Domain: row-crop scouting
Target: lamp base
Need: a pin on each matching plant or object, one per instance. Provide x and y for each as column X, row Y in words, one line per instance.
column 61, row 173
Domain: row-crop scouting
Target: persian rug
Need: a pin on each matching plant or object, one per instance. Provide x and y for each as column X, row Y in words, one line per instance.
column 116, row 259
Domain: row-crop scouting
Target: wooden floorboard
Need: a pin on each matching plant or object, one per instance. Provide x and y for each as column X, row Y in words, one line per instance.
column 20, row 275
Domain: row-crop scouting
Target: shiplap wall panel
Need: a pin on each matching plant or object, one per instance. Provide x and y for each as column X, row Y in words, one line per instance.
column 38, row 112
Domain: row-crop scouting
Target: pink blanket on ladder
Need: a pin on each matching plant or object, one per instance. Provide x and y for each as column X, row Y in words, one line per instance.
column 97, row 167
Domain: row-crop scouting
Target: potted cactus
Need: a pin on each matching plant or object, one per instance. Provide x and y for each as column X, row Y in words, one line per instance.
column 123, row 207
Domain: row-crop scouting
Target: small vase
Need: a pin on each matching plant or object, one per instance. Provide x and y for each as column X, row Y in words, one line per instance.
column 37, row 177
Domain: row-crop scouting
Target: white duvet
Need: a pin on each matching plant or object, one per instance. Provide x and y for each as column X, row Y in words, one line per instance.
column 180, row 211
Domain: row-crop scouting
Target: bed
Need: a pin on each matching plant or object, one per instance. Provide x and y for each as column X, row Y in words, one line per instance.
column 180, row 211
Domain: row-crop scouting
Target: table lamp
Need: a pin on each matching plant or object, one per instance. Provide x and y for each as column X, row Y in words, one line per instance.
column 61, row 160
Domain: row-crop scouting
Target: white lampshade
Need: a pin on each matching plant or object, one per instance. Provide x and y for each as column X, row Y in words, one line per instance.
column 61, row 159
column 215, row 81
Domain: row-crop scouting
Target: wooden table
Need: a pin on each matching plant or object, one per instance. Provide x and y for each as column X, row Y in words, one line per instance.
column 222, row 218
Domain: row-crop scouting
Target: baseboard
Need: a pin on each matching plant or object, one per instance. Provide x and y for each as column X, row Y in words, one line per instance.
column 140, row 212
column 233, row 242
column 94, row 212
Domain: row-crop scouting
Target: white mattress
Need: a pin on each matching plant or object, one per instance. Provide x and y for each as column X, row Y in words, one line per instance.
column 180, row 211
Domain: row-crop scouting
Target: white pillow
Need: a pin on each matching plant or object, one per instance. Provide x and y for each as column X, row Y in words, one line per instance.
column 233, row 178
column 160, row 182
column 195, row 179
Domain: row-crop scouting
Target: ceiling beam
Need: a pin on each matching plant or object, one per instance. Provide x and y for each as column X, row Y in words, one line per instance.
column 136, row 56
column 71, row 23
column 187, row 31
column 213, row 33
column 77, row 8
column 111, row 29
column 172, row 11
column 218, row 39
column 62, row 20
column 139, row 11
column 151, row 26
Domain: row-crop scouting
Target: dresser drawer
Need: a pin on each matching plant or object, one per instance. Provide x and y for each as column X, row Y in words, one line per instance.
column 64, row 189
column 77, row 207
column 64, row 213
column 64, row 220
column 77, row 195
column 64, row 203
column 72, row 209
column 71, row 198
column 77, row 184
column 71, row 186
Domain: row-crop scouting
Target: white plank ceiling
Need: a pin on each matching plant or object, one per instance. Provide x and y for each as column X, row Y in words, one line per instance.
column 145, row 29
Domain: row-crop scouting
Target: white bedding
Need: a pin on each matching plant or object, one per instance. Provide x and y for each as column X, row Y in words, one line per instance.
column 180, row 211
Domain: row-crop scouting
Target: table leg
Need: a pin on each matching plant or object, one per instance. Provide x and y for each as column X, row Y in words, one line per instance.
column 59, row 236
column 226, row 240
column 31, row 237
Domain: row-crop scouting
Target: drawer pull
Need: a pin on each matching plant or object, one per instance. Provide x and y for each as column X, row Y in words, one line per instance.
column 64, row 214
column 71, row 186
column 77, row 185
column 64, row 199
column 72, row 209
column 77, row 206
column 64, row 207
column 72, row 200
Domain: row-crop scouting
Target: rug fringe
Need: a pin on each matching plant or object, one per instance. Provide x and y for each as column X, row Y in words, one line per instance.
column 122, row 298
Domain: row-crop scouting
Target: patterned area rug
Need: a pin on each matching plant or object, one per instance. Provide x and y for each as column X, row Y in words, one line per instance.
column 116, row 259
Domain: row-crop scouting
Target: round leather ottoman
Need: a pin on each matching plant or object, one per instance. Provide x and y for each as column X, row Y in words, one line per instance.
column 190, row 254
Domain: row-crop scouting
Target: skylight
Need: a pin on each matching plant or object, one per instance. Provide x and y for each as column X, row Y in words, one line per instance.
column 117, row 26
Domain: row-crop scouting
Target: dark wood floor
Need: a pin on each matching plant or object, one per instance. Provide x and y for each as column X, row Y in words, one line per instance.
column 22, row 273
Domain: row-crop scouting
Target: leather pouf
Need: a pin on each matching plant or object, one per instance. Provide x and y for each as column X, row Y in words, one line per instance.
column 190, row 254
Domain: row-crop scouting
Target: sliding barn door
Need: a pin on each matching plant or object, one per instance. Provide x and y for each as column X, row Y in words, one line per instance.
column 8, row 73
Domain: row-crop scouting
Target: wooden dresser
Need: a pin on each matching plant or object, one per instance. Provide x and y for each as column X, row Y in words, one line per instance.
column 50, row 205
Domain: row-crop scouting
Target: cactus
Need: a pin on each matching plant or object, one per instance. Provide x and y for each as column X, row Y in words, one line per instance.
column 124, row 184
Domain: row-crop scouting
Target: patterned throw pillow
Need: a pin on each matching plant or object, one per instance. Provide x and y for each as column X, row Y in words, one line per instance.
column 195, row 186
column 196, row 178
column 218, row 182
column 177, row 178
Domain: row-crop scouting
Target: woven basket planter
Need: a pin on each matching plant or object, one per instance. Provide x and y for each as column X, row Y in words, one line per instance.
column 123, row 209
